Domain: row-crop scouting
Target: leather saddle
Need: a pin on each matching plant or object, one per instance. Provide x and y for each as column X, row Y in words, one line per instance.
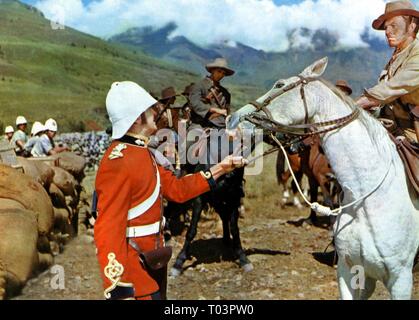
column 409, row 153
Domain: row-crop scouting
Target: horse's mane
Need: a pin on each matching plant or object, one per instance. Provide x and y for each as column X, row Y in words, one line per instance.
column 376, row 131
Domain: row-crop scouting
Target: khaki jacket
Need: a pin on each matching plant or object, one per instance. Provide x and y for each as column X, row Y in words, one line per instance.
column 200, row 105
column 400, row 81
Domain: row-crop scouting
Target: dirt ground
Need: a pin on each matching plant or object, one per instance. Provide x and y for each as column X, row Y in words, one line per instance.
column 283, row 256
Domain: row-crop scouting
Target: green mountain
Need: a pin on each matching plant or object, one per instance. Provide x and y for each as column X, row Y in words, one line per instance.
column 65, row 74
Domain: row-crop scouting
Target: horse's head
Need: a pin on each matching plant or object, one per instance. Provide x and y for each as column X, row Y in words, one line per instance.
column 284, row 101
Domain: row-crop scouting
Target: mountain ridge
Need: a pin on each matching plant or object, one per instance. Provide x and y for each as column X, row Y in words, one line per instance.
column 359, row 66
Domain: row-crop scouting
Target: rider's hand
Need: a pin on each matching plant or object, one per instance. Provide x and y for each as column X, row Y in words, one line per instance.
column 231, row 162
column 367, row 103
column 217, row 111
column 227, row 165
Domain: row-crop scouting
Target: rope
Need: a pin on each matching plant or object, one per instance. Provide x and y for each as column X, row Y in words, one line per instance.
column 317, row 207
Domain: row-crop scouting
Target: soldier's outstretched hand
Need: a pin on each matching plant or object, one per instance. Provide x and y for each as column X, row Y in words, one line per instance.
column 233, row 162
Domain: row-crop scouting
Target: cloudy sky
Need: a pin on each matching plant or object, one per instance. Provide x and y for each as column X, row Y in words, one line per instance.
column 262, row 24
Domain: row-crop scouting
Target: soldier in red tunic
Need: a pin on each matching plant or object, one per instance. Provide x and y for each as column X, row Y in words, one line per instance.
column 130, row 185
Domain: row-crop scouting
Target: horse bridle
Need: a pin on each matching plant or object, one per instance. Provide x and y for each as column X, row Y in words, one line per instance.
column 308, row 129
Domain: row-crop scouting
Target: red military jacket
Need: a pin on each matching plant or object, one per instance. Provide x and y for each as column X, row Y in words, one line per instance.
column 126, row 179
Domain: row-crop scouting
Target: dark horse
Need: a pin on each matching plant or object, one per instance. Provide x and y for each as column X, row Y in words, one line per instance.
column 225, row 199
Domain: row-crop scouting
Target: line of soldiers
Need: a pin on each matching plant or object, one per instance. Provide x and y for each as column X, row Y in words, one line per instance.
column 40, row 143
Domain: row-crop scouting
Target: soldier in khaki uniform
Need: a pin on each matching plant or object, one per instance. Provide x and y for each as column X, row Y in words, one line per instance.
column 344, row 87
column 8, row 134
column 397, row 93
column 209, row 101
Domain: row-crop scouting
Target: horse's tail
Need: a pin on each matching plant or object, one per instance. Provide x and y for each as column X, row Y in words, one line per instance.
column 280, row 167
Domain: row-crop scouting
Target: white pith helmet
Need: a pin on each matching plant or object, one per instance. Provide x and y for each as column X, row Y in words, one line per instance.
column 9, row 129
column 37, row 127
column 21, row 120
column 125, row 102
column 51, row 125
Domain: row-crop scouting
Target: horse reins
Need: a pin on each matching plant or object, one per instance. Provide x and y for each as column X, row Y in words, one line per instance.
column 309, row 131
column 267, row 122
column 167, row 109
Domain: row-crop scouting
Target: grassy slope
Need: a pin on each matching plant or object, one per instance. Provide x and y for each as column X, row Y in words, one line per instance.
column 65, row 74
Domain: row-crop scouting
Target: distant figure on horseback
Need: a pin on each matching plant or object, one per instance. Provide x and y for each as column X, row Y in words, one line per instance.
column 207, row 140
column 343, row 86
column 209, row 101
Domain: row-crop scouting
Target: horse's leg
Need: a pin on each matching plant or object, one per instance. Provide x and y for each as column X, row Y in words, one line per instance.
column 327, row 198
column 305, row 186
column 296, row 200
column 369, row 288
column 400, row 285
column 226, row 228
column 237, row 246
column 282, row 176
column 285, row 190
column 314, row 192
column 344, row 281
column 190, row 235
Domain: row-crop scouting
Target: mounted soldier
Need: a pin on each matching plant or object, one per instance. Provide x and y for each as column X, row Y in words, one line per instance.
column 186, row 108
column 396, row 96
column 343, row 86
column 210, row 105
column 168, row 96
column 209, row 101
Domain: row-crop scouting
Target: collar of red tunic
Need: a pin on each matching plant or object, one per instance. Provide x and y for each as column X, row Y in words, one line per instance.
column 135, row 139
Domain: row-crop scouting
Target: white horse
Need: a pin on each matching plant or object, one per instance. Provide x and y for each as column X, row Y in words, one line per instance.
column 378, row 237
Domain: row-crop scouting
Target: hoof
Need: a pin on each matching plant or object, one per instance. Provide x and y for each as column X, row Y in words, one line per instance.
column 175, row 272
column 248, row 267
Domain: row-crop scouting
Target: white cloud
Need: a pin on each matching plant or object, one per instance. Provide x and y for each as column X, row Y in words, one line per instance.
column 258, row 23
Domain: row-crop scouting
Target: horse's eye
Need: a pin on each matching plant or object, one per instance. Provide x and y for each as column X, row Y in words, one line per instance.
column 279, row 85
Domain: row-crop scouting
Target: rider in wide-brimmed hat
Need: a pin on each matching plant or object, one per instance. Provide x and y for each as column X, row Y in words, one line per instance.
column 344, row 86
column 220, row 63
column 209, row 101
column 396, row 96
column 168, row 94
